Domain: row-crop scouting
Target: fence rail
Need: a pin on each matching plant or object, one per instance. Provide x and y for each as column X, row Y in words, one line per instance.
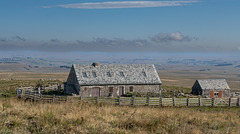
column 158, row 101
column 35, row 96
column 138, row 101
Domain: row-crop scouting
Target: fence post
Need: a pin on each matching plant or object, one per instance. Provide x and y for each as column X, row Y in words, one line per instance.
column 174, row 103
column 53, row 98
column 188, row 101
column 119, row 100
column 80, row 98
column 28, row 94
column 213, row 102
column 239, row 101
column 230, row 102
column 40, row 97
column 161, row 99
column 148, row 100
column 133, row 101
column 34, row 95
column 200, row 102
column 96, row 99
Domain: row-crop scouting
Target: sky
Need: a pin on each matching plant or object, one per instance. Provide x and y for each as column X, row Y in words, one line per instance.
column 116, row 26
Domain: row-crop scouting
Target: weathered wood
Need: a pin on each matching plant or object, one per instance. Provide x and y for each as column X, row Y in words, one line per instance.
column 200, row 102
column 96, row 99
column 213, row 102
column 133, row 101
column 239, row 101
column 34, row 95
column 161, row 101
column 174, row 103
column 148, row 101
column 119, row 100
column 53, row 98
column 188, row 101
column 230, row 102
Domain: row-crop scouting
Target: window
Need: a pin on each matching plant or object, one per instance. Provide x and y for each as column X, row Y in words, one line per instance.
column 109, row 74
column 216, row 93
column 122, row 74
column 110, row 89
column 131, row 89
column 84, row 74
column 94, row 74
column 144, row 74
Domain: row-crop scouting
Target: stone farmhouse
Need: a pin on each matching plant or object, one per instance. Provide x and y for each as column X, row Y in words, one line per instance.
column 214, row 88
column 112, row 79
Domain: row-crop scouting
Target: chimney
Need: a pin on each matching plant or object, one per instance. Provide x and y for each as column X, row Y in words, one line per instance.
column 95, row 64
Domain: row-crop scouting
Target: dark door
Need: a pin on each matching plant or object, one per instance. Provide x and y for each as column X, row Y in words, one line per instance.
column 95, row 92
column 121, row 91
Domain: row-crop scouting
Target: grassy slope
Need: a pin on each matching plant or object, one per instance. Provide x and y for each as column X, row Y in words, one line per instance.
column 26, row 117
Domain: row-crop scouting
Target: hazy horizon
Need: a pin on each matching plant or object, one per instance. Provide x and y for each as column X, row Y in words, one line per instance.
column 132, row 27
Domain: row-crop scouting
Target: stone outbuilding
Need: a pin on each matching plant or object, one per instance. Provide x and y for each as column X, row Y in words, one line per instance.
column 217, row 88
column 112, row 79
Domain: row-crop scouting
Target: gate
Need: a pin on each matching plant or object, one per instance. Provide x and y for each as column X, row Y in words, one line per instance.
column 95, row 92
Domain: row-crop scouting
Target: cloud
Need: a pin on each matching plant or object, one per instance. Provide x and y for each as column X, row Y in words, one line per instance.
column 55, row 40
column 169, row 37
column 3, row 40
column 19, row 38
column 171, row 42
column 123, row 4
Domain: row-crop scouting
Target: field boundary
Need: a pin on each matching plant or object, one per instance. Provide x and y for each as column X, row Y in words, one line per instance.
column 134, row 101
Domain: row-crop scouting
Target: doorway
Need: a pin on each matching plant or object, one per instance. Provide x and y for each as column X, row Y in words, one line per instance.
column 95, row 92
column 121, row 91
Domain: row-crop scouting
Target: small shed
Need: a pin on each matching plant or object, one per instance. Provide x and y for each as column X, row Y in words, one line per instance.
column 112, row 79
column 217, row 88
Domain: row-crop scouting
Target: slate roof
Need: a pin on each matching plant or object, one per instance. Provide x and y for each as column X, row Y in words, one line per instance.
column 213, row 84
column 107, row 74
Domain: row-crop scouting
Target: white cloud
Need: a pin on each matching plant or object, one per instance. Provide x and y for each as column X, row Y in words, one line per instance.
column 123, row 4
column 168, row 37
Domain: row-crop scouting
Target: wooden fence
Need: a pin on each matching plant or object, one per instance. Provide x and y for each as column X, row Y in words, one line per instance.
column 158, row 101
column 138, row 101
column 35, row 96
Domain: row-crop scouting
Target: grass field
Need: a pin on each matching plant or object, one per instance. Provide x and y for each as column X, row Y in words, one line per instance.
column 27, row 117
column 17, row 116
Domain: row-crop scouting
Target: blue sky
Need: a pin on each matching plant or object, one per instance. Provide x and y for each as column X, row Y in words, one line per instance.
column 209, row 26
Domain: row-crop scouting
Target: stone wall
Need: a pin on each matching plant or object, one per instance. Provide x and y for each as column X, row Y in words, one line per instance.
column 86, row 91
column 196, row 89
column 207, row 93
column 72, row 85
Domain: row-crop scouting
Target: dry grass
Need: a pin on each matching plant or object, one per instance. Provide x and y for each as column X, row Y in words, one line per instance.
column 27, row 117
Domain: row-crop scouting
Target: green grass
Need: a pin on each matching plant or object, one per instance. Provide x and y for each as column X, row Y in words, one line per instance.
column 8, row 87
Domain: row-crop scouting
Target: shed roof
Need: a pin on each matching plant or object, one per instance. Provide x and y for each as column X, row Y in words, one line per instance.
column 107, row 74
column 213, row 84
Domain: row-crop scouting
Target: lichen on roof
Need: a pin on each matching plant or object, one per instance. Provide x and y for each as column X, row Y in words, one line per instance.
column 107, row 74
column 213, row 84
